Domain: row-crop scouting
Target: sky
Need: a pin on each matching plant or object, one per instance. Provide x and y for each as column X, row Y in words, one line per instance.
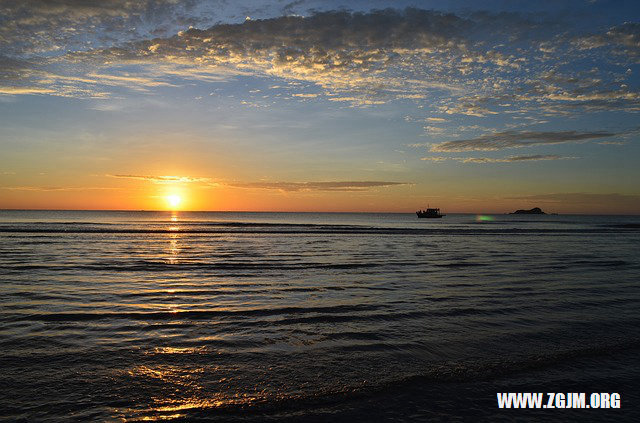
column 477, row 107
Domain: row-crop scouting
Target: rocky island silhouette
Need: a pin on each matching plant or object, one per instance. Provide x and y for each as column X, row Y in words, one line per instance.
column 535, row 210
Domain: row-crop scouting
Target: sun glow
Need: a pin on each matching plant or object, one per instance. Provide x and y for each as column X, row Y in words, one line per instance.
column 173, row 201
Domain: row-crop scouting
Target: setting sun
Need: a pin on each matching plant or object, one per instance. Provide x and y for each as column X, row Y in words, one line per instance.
column 173, row 201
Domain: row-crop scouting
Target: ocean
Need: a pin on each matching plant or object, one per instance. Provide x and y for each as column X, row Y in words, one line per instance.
column 126, row 316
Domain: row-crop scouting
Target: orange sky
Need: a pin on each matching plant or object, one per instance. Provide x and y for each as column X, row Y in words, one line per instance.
column 150, row 196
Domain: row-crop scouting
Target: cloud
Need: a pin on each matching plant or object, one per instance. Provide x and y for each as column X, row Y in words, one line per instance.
column 282, row 186
column 622, row 39
column 433, row 129
column 25, row 90
column 46, row 26
column 517, row 139
column 134, row 82
column 612, row 143
column 42, row 188
column 515, row 159
column 510, row 159
column 361, row 58
column 348, row 186
column 475, row 64
column 164, row 179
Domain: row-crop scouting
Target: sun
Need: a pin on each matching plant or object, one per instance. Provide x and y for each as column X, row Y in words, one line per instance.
column 173, row 201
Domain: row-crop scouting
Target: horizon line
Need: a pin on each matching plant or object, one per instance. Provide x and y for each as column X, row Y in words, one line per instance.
column 316, row 212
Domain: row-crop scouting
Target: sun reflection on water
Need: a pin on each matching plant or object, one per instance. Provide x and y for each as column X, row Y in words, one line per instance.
column 174, row 350
column 184, row 392
column 174, row 248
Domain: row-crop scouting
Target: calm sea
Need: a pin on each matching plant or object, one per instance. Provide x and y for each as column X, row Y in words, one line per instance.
column 314, row 317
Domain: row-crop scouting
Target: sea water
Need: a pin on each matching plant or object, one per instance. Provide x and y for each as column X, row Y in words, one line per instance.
column 312, row 316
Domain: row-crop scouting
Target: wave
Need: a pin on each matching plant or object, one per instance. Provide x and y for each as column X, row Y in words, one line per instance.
column 488, row 369
column 287, row 315
column 625, row 225
column 162, row 266
column 249, row 268
column 192, row 314
column 432, row 391
column 313, row 229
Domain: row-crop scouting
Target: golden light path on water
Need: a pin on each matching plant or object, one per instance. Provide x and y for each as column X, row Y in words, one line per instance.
column 180, row 380
column 184, row 392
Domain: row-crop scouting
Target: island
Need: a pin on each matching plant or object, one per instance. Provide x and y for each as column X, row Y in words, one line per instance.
column 535, row 210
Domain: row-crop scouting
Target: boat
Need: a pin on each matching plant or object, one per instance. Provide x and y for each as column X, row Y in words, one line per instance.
column 430, row 213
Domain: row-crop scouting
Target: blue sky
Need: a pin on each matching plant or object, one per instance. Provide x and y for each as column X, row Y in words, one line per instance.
column 309, row 105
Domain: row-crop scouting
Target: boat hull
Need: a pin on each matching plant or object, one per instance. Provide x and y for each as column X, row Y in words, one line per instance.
column 428, row 216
